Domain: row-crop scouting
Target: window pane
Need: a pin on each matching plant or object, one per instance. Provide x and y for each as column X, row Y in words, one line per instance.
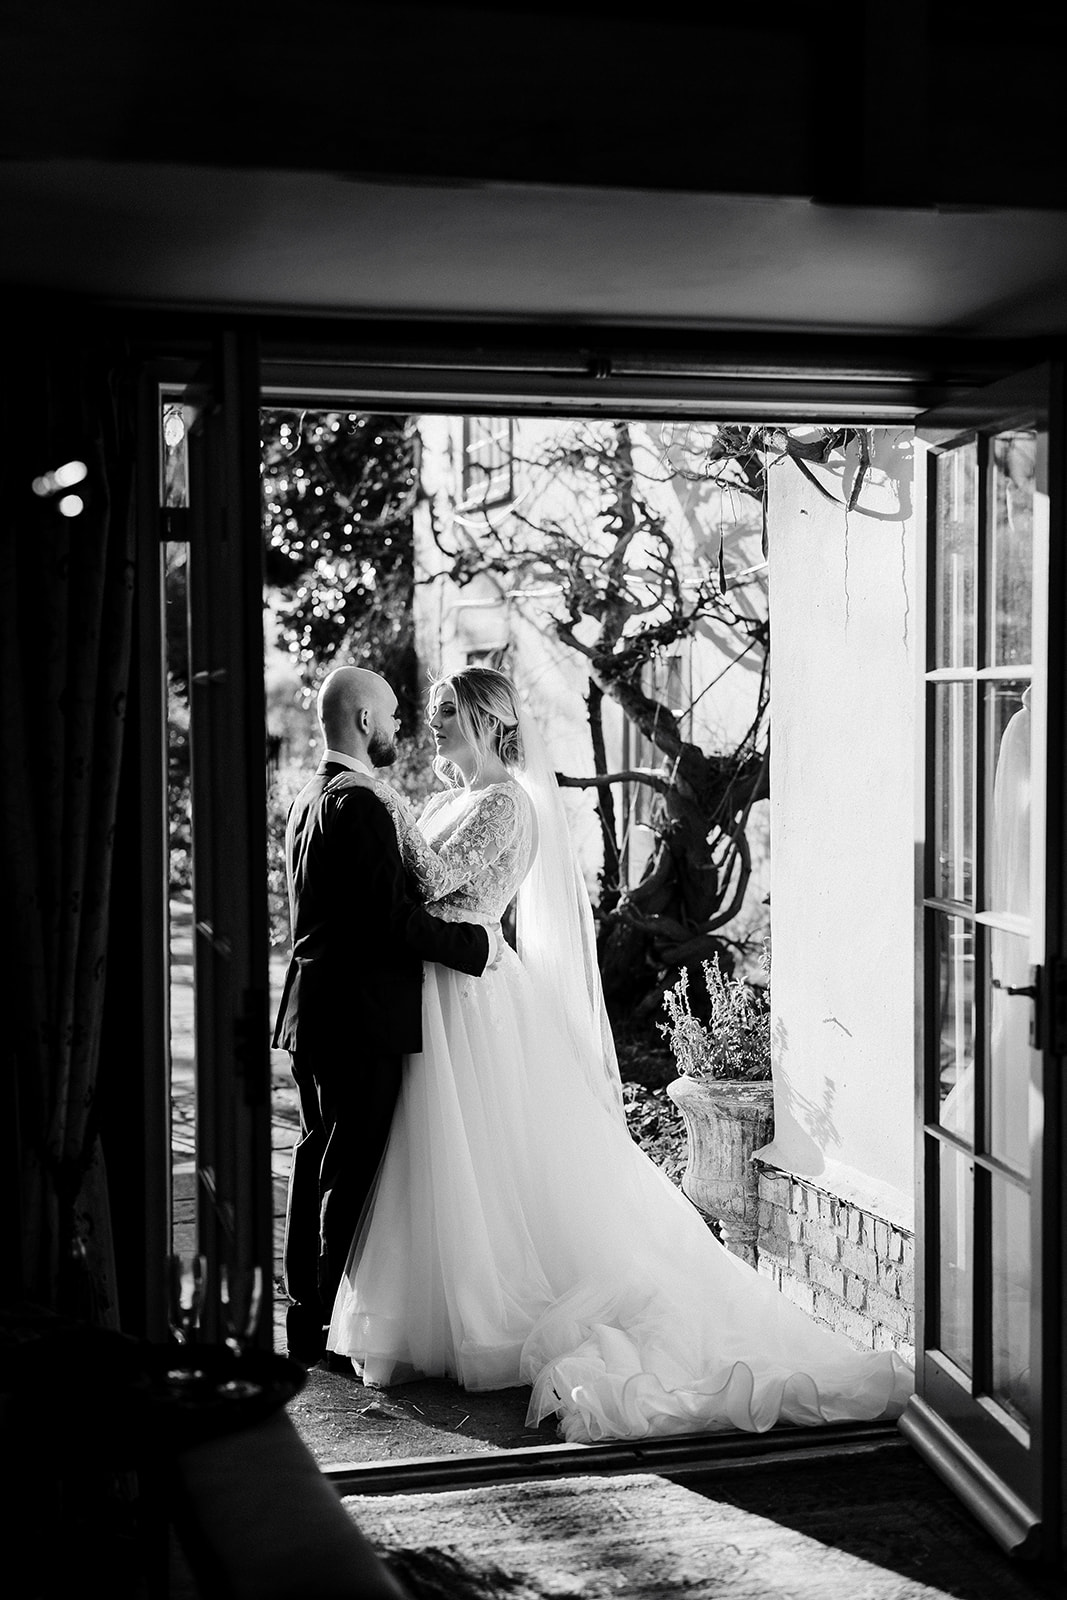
column 175, row 421
column 1009, row 1050
column 1012, row 467
column 955, row 1026
column 954, row 790
column 955, row 550
column 1007, row 787
column 1011, row 1298
column 955, row 1264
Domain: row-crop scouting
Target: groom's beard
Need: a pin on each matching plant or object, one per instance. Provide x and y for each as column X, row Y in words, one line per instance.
column 382, row 750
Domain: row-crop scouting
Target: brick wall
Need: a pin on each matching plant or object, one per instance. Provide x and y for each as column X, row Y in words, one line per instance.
column 846, row 1267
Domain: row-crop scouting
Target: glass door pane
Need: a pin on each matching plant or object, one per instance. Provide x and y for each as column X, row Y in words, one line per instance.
column 1007, row 1136
column 953, row 715
column 1013, row 467
column 956, row 1268
column 1008, row 737
column 955, row 555
column 954, row 1021
column 175, row 422
column 1010, row 1289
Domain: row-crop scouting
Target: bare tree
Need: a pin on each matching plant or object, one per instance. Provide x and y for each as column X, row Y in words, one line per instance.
column 586, row 536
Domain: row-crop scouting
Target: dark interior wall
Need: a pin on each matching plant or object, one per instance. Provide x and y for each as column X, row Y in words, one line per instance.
column 914, row 104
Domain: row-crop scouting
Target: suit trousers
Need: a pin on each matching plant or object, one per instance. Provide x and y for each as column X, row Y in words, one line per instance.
column 345, row 1117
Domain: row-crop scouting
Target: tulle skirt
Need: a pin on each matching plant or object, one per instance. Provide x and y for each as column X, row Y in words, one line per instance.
column 517, row 1235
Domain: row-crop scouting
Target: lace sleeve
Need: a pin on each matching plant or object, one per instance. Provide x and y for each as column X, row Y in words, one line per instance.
column 487, row 829
column 408, row 836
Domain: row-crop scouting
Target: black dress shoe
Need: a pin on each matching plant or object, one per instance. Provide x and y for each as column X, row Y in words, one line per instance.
column 305, row 1358
column 305, row 1334
column 339, row 1364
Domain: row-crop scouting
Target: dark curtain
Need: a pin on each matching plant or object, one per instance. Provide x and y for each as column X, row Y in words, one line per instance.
column 66, row 592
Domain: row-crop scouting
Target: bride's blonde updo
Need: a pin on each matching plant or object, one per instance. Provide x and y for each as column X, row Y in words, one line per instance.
column 487, row 713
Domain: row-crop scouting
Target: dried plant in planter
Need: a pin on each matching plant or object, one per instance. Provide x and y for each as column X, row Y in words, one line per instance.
column 735, row 1041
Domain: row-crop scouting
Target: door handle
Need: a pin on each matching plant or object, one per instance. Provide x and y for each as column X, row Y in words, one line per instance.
column 1032, row 991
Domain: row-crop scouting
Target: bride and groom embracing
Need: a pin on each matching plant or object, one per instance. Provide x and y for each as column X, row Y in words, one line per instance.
column 465, row 1198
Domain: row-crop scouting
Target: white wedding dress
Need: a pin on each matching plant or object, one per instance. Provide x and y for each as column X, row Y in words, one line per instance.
column 518, row 1235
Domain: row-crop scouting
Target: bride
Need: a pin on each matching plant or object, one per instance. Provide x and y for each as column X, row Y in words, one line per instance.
column 516, row 1234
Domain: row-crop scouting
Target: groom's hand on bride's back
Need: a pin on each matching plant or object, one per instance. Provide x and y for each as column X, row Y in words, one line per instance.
column 496, row 950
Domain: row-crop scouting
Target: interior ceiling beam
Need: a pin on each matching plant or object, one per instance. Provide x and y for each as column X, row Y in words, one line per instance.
column 516, row 366
column 651, row 371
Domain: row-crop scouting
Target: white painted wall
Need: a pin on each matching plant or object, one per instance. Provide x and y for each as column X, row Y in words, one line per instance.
column 844, row 604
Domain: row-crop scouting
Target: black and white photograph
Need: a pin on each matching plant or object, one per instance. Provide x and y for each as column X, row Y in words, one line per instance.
column 534, row 702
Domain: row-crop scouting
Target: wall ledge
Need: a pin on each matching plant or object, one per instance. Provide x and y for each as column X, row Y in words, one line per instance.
column 842, row 1182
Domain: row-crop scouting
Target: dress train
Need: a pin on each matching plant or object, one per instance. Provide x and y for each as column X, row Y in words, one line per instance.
column 518, row 1235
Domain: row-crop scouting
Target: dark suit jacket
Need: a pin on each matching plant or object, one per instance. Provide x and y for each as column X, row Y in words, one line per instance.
column 360, row 935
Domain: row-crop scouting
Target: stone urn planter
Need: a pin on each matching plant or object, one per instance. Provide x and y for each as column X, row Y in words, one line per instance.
column 723, row 1051
column 726, row 1120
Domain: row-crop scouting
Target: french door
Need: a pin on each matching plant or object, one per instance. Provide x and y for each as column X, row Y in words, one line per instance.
column 987, row 1411
column 227, row 739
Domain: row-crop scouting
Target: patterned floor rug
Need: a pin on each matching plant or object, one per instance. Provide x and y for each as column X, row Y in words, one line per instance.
column 644, row 1538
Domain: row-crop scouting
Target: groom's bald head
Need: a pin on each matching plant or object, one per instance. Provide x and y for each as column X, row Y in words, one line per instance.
column 357, row 712
column 344, row 694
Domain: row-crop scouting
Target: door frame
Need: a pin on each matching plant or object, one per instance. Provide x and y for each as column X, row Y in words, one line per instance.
column 222, row 355
column 520, row 366
column 227, row 724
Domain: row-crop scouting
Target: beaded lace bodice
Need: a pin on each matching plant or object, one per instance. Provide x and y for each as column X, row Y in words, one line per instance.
column 469, row 850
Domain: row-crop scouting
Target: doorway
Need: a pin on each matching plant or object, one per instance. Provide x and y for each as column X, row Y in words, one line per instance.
column 344, row 395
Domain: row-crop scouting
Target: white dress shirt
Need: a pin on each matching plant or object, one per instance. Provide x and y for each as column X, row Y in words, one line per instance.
column 353, row 763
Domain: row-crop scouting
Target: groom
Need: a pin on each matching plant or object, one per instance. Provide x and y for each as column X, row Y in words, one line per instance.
column 351, row 1004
